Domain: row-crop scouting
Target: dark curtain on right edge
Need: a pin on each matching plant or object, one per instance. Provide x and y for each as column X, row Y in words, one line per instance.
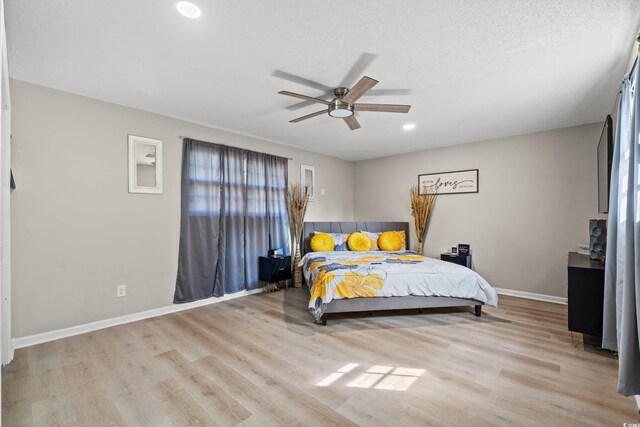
column 621, row 325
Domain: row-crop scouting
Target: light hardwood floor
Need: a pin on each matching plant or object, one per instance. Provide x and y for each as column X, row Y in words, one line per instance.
column 258, row 360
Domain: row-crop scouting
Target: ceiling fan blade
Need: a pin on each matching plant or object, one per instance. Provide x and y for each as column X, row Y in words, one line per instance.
column 301, row 80
column 304, row 104
column 359, row 89
column 352, row 122
column 308, row 98
column 358, row 68
column 386, row 108
column 387, row 92
column 308, row 116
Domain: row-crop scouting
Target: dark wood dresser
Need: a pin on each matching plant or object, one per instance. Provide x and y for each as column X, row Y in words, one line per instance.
column 585, row 295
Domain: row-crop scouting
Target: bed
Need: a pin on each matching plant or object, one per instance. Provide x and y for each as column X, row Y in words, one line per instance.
column 344, row 281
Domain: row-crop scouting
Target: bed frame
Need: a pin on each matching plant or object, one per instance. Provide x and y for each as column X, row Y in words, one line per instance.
column 351, row 305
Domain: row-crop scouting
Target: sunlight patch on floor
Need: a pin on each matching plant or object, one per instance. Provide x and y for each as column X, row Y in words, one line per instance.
column 333, row 377
column 330, row 379
column 377, row 369
column 348, row 367
column 378, row 377
column 365, row 380
column 395, row 382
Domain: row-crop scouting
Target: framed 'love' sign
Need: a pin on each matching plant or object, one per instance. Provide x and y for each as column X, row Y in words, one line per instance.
column 457, row 182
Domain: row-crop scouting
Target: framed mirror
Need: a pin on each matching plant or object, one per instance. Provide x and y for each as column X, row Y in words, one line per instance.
column 308, row 179
column 145, row 165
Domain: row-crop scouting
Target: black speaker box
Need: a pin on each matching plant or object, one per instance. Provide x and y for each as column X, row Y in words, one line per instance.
column 597, row 238
column 275, row 252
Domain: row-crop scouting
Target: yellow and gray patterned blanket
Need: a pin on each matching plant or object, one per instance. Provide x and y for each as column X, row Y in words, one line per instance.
column 345, row 274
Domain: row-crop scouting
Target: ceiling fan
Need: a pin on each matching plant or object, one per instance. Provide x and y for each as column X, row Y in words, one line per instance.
column 344, row 105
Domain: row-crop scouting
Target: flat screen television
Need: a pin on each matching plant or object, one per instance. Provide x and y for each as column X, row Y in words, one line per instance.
column 605, row 158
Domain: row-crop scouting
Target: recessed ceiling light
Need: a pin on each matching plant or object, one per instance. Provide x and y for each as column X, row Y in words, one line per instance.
column 409, row 126
column 188, row 9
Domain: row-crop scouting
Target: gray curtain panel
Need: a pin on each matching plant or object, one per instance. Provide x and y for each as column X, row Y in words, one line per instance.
column 257, row 234
column 201, row 210
column 228, row 195
column 267, row 220
column 231, row 247
column 621, row 323
column 277, row 180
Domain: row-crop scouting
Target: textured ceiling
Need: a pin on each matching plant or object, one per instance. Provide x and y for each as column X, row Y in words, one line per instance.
column 471, row 70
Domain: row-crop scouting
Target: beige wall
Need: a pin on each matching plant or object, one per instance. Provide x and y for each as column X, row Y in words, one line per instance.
column 537, row 194
column 77, row 232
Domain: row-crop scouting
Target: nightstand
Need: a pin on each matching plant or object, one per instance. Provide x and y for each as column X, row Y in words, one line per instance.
column 272, row 270
column 463, row 260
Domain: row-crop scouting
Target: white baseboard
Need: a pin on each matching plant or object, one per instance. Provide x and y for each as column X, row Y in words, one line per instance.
column 531, row 295
column 57, row 334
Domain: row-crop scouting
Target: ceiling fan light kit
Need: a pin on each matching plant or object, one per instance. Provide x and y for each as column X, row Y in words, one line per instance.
column 340, row 110
column 344, row 105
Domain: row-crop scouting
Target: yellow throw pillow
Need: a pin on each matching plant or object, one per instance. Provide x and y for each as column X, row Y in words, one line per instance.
column 321, row 242
column 359, row 242
column 374, row 239
column 392, row 241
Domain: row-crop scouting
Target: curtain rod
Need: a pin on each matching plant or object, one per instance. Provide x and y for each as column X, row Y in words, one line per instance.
column 633, row 66
column 222, row 145
column 636, row 61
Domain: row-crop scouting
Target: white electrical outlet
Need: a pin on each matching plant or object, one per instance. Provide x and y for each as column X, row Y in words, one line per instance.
column 121, row 290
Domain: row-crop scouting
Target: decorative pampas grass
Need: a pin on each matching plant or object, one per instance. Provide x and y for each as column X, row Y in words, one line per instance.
column 421, row 208
column 297, row 200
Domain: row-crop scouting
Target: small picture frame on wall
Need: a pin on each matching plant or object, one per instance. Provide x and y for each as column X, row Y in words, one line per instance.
column 145, row 165
column 308, row 179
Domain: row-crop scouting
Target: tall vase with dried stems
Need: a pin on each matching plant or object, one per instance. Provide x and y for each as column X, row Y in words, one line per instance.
column 421, row 209
column 297, row 199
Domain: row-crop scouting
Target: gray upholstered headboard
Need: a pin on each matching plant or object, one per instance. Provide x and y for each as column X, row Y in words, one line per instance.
column 349, row 227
